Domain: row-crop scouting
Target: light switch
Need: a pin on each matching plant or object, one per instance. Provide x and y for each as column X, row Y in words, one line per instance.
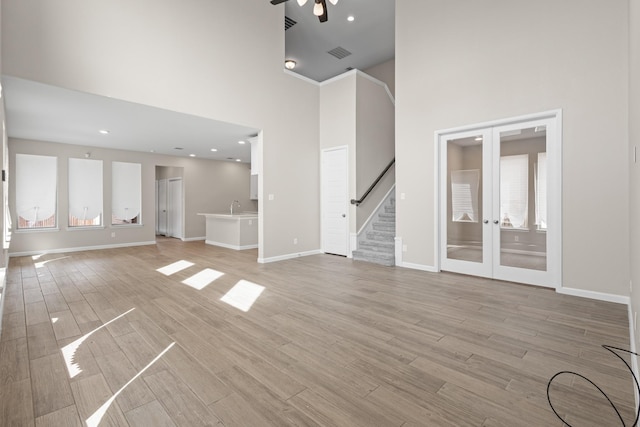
column 271, row 197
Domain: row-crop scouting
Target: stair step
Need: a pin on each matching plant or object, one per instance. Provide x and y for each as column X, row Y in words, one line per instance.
column 387, row 215
column 381, row 236
column 386, row 247
column 374, row 257
column 390, row 209
column 384, row 226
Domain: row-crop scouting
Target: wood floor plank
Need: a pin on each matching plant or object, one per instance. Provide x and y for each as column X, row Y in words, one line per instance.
column 149, row 414
column 36, row 312
column 90, row 395
column 67, row 417
column 14, row 361
column 16, row 409
column 42, row 341
column 182, row 404
column 51, row 390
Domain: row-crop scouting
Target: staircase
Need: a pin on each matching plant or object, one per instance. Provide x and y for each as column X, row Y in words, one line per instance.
column 377, row 244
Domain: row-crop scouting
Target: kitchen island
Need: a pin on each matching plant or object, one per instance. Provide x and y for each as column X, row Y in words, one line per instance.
column 234, row 231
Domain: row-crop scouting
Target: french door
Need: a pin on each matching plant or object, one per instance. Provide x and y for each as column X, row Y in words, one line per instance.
column 500, row 196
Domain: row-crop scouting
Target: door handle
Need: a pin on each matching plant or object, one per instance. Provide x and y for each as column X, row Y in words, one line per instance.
column 495, row 221
column 486, row 221
column 344, row 215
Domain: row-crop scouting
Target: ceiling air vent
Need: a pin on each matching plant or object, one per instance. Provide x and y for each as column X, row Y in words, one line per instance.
column 348, row 69
column 288, row 23
column 339, row 52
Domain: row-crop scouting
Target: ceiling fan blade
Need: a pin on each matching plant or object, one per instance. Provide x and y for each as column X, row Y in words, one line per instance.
column 278, row 1
column 324, row 16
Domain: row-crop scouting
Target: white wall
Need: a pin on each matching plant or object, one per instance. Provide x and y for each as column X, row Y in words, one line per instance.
column 209, row 186
column 461, row 62
column 217, row 59
column 385, row 72
column 634, row 142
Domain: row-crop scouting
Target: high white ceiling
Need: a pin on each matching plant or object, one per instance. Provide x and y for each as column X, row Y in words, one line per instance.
column 46, row 113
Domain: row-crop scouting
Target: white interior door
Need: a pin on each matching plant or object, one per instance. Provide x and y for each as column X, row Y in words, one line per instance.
column 335, row 201
column 161, row 207
column 174, row 208
column 500, row 201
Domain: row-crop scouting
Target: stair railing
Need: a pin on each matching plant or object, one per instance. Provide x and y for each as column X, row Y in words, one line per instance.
column 372, row 186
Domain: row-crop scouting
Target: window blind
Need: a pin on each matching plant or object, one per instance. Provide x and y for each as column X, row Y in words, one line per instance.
column 85, row 192
column 36, row 190
column 126, row 191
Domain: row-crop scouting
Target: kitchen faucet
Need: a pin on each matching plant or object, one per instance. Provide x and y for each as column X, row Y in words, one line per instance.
column 234, row 203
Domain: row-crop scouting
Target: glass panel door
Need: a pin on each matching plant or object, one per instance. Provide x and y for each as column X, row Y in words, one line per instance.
column 522, row 205
column 523, row 201
column 464, row 166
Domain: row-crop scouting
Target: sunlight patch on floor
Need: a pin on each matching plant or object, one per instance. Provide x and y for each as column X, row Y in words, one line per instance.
column 243, row 295
column 170, row 269
column 202, row 279
column 96, row 417
column 43, row 263
column 69, row 350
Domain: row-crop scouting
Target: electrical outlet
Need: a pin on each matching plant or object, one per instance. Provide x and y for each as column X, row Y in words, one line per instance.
column 271, row 197
column 113, row 234
column 516, row 238
column 404, row 248
column 295, row 240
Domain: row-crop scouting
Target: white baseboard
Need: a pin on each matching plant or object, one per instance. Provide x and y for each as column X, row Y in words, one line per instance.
column 193, row 239
column 81, row 249
column 289, row 256
column 228, row 246
column 428, row 268
column 620, row 299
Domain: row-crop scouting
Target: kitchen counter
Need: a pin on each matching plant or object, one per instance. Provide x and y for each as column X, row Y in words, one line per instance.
column 238, row 231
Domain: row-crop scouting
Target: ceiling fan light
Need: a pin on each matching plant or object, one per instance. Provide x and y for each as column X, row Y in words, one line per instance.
column 302, row 2
column 318, row 10
column 334, row 2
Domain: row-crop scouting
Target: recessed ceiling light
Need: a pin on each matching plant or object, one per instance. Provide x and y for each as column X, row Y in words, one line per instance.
column 478, row 138
column 240, row 142
column 289, row 64
column 192, row 155
column 103, row 131
column 214, row 149
column 351, row 18
column 238, row 160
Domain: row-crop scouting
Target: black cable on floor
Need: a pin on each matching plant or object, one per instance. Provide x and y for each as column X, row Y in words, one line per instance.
column 610, row 349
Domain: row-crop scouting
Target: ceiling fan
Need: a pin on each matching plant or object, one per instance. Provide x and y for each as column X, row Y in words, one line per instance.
column 319, row 8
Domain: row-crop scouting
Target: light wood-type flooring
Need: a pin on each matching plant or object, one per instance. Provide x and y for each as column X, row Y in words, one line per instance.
column 104, row 338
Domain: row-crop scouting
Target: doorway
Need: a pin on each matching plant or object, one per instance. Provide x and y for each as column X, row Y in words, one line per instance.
column 335, row 201
column 500, row 200
column 169, row 202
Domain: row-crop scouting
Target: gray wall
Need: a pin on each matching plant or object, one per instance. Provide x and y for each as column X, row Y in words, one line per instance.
column 461, row 62
column 385, row 72
column 209, row 186
column 215, row 59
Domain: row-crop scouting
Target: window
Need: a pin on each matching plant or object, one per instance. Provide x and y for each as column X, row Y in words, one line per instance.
column 36, row 191
column 85, row 193
column 541, row 192
column 514, row 191
column 464, row 195
column 126, row 193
